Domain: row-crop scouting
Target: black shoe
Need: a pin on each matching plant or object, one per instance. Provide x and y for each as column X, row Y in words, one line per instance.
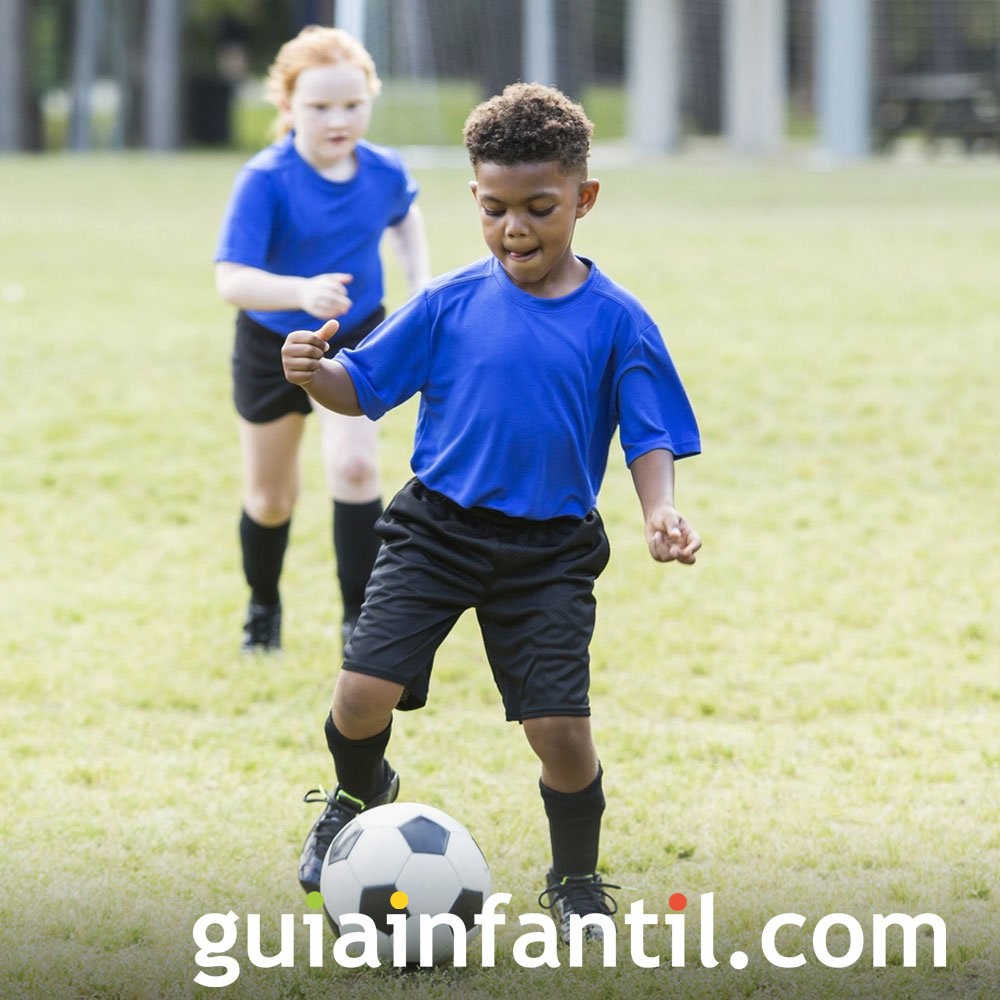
column 340, row 809
column 583, row 895
column 262, row 629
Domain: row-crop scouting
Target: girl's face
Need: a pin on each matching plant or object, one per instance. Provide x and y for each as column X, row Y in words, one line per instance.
column 330, row 110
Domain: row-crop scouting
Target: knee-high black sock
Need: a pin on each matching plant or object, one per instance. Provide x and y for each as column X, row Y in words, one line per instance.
column 575, row 826
column 263, row 555
column 360, row 764
column 355, row 545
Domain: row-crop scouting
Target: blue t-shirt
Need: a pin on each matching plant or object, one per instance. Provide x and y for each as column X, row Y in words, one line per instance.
column 286, row 218
column 520, row 396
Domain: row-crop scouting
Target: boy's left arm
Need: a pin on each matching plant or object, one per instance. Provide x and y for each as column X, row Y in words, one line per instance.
column 409, row 242
column 668, row 534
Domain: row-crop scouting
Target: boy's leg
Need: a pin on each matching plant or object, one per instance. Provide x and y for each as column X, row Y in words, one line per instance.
column 270, row 489
column 350, row 461
column 357, row 733
column 572, row 791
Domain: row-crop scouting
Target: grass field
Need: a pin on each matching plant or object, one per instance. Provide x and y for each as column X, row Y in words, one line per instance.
column 807, row 721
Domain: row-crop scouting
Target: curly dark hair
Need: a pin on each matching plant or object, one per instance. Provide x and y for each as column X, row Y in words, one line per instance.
column 529, row 123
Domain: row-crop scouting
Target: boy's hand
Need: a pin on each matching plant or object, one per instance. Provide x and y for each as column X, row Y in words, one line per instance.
column 303, row 350
column 325, row 295
column 670, row 537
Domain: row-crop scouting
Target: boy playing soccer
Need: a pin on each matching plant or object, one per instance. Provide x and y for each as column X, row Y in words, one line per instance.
column 526, row 362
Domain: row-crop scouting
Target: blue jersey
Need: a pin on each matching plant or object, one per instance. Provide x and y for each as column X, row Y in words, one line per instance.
column 286, row 218
column 520, row 396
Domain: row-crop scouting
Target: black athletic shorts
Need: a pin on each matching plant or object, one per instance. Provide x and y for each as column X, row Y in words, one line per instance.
column 531, row 583
column 260, row 390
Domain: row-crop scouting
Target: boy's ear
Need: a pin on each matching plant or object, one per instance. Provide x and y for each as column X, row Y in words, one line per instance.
column 587, row 196
column 473, row 187
column 285, row 110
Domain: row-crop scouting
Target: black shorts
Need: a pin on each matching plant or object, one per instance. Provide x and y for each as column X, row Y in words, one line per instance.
column 260, row 390
column 531, row 583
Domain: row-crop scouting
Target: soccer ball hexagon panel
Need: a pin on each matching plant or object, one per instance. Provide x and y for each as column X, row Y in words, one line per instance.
column 411, row 848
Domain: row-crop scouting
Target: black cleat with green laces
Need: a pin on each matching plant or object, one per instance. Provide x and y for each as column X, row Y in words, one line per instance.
column 340, row 809
column 583, row 895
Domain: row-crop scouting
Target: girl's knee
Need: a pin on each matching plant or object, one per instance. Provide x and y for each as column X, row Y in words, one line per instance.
column 355, row 471
column 269, row 508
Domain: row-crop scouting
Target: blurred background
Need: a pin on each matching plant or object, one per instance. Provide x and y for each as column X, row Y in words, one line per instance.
column 848, row 78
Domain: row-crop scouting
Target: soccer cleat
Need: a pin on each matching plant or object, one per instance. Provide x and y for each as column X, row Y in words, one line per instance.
column 262, row 629
column 583, row 895
column 340, row 809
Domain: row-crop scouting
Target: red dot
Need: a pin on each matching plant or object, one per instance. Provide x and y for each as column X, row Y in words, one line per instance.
column 678, row 901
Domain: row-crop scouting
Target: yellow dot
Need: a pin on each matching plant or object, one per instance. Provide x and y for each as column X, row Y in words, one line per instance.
column 399, row 899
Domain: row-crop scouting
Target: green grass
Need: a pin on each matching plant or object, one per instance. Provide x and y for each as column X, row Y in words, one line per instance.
column 805, row 721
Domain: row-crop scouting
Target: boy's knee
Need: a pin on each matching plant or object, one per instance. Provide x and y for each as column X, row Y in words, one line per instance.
column 362, row 705
column 565, row 747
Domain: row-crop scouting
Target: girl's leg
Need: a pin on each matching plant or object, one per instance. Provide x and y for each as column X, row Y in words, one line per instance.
column 270, row 489
column 350, row 460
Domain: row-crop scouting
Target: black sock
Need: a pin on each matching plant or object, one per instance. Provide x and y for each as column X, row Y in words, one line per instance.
column 360, row 764
column 575, row 826
column 355, row 546
column 263, row 554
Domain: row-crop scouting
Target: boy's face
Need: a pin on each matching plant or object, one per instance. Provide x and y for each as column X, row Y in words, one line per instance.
column 528, row 213
column 330, row 110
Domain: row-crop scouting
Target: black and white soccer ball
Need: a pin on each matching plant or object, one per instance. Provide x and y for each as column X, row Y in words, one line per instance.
column 405, row 847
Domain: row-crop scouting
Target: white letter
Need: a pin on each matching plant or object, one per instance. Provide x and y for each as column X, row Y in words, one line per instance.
column 208, row 949
column 488, row 920
column 675, row 921
column 636, row 918
column 286, row 952
column 708, row 959
column 548, row 938
column 397, row 921
column 456, row 927
column 576, row 926
column 315, row 921
column 909, row 925
column 769, row 948
column 855, row 948
column 367, row 936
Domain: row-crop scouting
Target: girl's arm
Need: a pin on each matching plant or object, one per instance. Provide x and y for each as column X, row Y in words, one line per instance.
column 409, row 243
column 668, row 533
column 323, row 296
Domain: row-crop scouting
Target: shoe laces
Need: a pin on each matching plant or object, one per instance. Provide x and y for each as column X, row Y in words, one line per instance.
column 336, row 808
column 580, row 894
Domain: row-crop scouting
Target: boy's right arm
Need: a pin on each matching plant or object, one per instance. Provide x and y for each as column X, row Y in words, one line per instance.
column 325, row 380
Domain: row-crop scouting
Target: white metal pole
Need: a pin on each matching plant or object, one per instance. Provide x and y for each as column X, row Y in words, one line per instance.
column 538, row 43
column 755, row 79
column 350, row 15
column 844, row 77
column 653, row 75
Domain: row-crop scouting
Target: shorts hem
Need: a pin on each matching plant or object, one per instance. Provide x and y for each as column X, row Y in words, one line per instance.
column 550, row 713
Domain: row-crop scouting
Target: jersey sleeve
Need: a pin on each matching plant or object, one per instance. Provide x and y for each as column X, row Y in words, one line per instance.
column 653, row 407
column 406, row 193
column 249, row 220
column 392, row 362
